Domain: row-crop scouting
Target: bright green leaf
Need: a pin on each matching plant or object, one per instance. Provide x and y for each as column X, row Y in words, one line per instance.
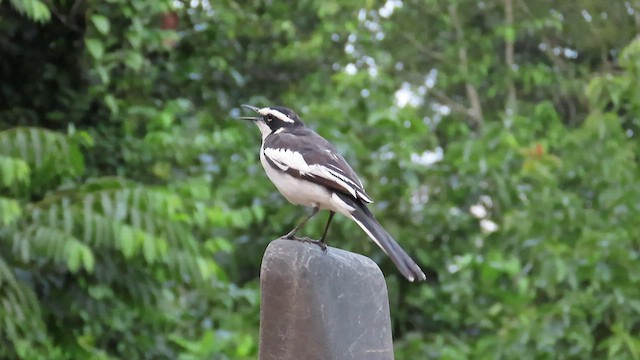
column 101, row 23
column 95, row 47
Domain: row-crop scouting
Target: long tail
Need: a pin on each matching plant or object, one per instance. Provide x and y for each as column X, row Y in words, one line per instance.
column 365, row 219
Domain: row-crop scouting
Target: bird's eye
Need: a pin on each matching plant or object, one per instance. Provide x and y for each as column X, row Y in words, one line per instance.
column 269, row 117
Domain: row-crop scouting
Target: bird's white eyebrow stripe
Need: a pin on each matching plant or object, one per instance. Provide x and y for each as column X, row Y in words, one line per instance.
column 276, row 113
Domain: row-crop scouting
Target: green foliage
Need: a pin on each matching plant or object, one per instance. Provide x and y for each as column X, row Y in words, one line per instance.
column 34, row 9
column 45, row 156
column 91, row 250
column 14, row 171
column 498, row 138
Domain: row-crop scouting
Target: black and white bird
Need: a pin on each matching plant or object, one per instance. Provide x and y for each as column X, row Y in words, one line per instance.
column 308, row 171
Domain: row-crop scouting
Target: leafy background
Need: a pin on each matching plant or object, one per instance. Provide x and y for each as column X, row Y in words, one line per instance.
column 500, row 139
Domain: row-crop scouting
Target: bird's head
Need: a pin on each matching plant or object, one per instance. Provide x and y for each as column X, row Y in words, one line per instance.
column 272, row 119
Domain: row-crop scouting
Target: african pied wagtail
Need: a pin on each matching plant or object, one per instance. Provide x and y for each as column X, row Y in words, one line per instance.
column 307, row 170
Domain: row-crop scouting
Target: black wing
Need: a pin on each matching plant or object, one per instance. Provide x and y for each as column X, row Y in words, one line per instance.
column 304, row 154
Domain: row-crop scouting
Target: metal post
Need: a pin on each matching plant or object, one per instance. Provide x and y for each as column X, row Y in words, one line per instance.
column 318, row 305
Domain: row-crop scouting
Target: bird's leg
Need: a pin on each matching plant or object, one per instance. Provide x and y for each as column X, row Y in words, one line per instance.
column 291, row 234
column 326, row 227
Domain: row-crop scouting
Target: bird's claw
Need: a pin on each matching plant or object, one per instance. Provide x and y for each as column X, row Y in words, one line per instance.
column 307, row 239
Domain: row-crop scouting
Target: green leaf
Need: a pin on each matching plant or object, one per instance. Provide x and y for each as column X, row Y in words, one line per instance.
column 149, row 250
column 13, row 171
column 73, row 255
column 127, row 242
column 134, row 60
column 509, row 34
column 88, row 260
column 111, row 103
column 95, row 47
column 10, row 211
column 34, row 9
column 101, row 23
column 103, row 72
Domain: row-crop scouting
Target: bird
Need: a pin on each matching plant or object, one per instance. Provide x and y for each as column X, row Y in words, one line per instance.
column 308, row 171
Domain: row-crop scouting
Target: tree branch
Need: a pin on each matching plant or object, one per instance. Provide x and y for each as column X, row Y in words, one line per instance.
column 66, row 20
column 508, row 58
column 423, row 49
column 472, row 93
column 454, row 105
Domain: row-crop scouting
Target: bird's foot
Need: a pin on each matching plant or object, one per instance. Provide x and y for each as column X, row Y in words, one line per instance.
column 306, row 239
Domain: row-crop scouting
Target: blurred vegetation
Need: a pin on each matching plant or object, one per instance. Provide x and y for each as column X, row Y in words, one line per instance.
column 499, row 138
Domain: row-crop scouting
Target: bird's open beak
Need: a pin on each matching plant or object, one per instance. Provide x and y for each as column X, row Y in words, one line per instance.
column 250, row 107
